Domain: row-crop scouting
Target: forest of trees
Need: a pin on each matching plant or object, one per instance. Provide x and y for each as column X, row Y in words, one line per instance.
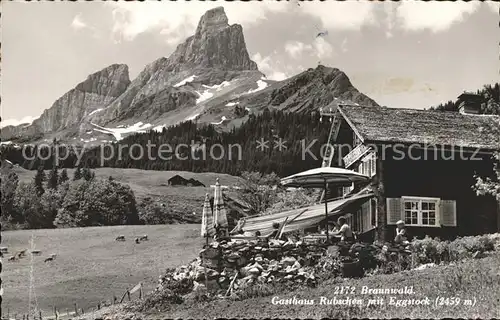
column 270, row 126
column 490, row 103
column 58, row 201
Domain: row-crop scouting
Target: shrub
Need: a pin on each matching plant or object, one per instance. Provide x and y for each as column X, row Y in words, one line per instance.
column 97, row 202
column 430, row 250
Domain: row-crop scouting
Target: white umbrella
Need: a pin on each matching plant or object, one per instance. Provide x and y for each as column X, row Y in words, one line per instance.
column 315, row 178
column 220, row 216
column 207, row 228
column 321, row 178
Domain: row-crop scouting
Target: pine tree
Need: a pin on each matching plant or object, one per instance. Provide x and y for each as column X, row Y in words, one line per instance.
column 86, row 174
column 78, row 174
column 63, row 177
column 53, row 178
column 39, row 179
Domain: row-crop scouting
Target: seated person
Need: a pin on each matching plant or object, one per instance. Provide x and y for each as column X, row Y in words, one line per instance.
column 344, row 231
column 401, row 234
column 333, row 229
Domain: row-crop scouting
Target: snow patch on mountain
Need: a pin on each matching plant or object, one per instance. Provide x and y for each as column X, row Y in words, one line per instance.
column 95, row 111
column 118, row 133
column 221, row 121
column 192, row 117
column 261, row 85
column 183, row 82
column 204, row 96
column 218, row 87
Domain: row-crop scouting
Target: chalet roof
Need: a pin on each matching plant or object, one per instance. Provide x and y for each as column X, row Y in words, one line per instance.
column 395, row 125
column 469, row 95
column 177, row 177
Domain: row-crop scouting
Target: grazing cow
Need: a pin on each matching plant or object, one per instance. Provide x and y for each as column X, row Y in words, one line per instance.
column 120, row 238
column 137, row 240
column 36, row 252
column 49, row 259
column 4, row 249
column 144, row 238
column 22, row 253
column 13, row 258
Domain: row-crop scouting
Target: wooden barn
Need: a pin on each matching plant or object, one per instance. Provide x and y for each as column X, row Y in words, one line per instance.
column 195, row 183
column 177, row 180
column 422, row 165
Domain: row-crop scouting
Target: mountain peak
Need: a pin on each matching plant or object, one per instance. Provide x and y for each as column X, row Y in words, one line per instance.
column 213, row 20
column 110, row 81
column 216, row 44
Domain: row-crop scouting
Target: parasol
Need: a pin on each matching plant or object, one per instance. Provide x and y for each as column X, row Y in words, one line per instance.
column 322, row 178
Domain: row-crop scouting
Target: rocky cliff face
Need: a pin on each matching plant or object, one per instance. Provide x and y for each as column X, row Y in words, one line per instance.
column 216, row 49
column 215, row 44
column 96, row 92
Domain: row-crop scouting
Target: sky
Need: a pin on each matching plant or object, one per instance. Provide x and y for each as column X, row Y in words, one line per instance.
column 401, row 54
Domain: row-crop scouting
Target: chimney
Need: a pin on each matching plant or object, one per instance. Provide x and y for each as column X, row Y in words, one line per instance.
column 469, row 103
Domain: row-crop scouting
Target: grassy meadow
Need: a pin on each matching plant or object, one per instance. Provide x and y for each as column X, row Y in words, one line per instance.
column 149, row 182
column 90, row 265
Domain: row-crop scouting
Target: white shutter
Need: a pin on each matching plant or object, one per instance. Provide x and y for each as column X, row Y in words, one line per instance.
column 394, row 210
column 448, row 213
column 365, row 216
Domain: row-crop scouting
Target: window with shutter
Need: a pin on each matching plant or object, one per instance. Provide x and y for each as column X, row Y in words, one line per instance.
column 448, row 213
column 421, row 211
column 394, row 212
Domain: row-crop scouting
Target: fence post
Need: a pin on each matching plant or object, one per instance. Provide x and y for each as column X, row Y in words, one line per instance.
column 99, row 306
column 40, row 314
column 55, row 313
column 76, row 309
column 128, row 295
column 114, row 299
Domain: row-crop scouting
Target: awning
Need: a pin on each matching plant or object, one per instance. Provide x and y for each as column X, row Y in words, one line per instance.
column 301, row 218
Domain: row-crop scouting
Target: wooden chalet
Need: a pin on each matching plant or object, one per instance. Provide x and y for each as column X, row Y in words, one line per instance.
column 177, row 180
column 422, row 164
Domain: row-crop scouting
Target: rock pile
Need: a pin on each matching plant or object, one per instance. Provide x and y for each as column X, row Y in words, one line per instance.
column 244, row 262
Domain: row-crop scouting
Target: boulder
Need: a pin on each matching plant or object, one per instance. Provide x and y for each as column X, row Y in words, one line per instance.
column 288, row 261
